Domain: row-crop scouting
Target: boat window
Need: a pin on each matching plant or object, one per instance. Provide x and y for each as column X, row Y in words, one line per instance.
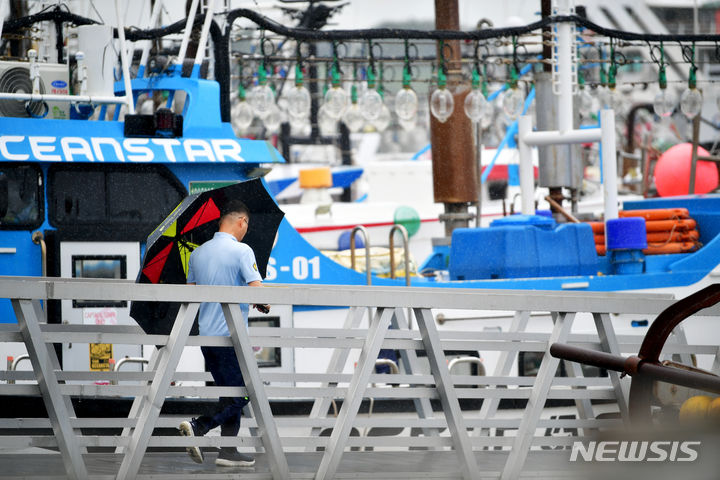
column 112, row 195
column 22, row 192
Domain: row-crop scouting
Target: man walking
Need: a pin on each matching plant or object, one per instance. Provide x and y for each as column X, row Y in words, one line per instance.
column 223, row 260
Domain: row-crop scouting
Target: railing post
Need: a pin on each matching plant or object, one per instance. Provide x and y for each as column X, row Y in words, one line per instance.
column 256, row 391
column 609, row 343
column 44, row 361
column 521, row 446
column 364, row 232
column 365, row 366
column 150, row 411
column 410, row 363
column 448, row 397
column 502, row 368
column 337, row 362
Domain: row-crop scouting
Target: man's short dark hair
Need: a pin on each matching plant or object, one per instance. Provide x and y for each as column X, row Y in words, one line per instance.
column 235, row 207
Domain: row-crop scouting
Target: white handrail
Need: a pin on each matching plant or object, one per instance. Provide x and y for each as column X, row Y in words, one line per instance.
column 154, row 15
column 54, row 97
column 187, row 32
column 124, row 60
column 200, row 54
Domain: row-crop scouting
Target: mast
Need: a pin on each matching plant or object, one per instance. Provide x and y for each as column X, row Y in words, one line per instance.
column 453, row 156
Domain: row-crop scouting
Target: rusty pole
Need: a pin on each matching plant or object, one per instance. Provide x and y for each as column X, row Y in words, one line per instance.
column 454, row 167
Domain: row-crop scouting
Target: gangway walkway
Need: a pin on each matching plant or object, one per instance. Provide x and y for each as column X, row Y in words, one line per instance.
column 449, row 442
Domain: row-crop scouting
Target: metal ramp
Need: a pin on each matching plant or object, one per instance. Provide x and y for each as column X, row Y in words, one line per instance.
column 440, row 439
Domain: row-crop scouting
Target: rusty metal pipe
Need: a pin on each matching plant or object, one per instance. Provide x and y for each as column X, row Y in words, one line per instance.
column 645, row 367
column 633, row 366
column 669, row 318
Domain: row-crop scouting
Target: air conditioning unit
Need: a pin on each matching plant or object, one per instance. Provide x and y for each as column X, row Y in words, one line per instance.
column 15, row 78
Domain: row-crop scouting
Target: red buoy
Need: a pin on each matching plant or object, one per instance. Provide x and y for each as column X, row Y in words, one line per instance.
column 672, row 172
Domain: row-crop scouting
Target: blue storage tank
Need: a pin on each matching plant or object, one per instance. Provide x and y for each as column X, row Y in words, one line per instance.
column 522, row 250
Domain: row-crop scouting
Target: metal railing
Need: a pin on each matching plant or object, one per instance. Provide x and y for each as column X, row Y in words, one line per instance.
column 454, row 439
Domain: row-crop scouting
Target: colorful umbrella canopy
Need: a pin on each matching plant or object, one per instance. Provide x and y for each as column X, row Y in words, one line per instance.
column 189, row 225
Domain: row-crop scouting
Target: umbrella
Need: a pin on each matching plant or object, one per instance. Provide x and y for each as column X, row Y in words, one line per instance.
column 191, row 224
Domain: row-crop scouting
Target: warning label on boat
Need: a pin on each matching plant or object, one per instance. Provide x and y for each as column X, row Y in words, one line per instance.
column 100, row 355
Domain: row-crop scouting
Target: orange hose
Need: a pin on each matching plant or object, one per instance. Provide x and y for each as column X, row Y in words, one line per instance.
column 598, row 227
column 668, row 225
column 667, row 248
column 671, row 247
column 656, row 213
column 690, row 236
column 654, row 226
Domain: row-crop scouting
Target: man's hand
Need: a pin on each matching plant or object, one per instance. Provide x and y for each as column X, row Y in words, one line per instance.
column 262, row 308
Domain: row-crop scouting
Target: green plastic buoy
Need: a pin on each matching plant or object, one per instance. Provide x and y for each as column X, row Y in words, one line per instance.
column 407, row 217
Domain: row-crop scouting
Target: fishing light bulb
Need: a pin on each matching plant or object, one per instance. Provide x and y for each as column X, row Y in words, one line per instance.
column 326, row 124
column 406, row 104
column 617, row 101
column 585, row 102
column 691, row 102
column 298, row 102
column 513, row 102
column 370, row 104
column 407, row 125
column 603, row 96
column 476, row 105
column 353, row 118
column 242, row 116
column 273, row 119
column 336, row 101
column 442, row 104
column 664, row 102
column 384, row 119
column 300, row 127
column 261, row 98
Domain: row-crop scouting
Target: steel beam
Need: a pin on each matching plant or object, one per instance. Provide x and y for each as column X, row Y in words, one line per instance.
column 448, row 397
column 546, row 373
column 409, row 360
column 256, row 391
column 336, row 364
column 365, row 366
column 502, row 369
column 150, row 411
column 28, row 314
column 610, row 344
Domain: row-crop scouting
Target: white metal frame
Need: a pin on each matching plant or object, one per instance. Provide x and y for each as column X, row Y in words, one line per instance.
column 389, row 304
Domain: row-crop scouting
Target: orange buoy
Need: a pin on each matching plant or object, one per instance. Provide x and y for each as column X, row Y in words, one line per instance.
column 672, row 171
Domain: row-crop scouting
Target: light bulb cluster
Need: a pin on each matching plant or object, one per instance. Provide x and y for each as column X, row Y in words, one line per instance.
column 258, row 103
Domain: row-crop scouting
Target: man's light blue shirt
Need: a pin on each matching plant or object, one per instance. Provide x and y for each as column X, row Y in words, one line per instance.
column 221, row 261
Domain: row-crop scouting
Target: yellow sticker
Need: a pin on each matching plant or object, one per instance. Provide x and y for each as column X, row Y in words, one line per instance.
column 255, row 266
column 100, row 355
